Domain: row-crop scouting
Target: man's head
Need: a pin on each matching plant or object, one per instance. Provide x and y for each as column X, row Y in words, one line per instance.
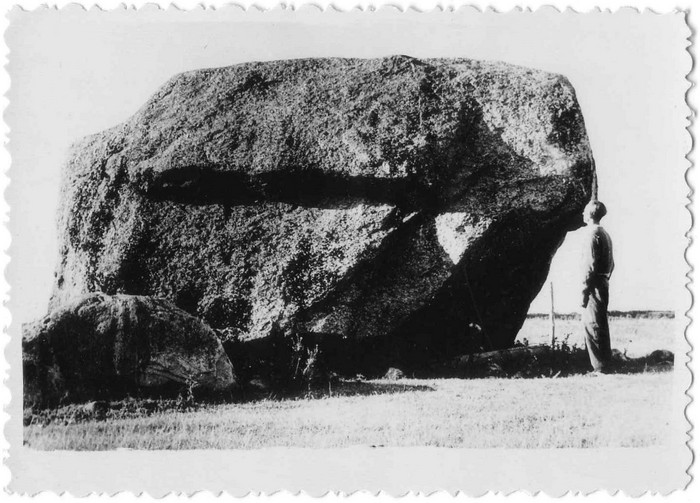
column 593, row 212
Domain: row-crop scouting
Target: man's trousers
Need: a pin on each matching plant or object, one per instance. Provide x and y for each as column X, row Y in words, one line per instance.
column 595, row 323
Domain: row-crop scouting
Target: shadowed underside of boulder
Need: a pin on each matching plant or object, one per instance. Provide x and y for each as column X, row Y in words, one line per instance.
column 395, row 200
column 102, row 347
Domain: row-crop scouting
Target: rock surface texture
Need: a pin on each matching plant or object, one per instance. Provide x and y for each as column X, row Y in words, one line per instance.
column 391, row 200
column 101, row 346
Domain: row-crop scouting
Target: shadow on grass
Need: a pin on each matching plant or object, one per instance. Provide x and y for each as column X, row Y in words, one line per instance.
column 134, row 407
column 333, row 387
column 365, row 388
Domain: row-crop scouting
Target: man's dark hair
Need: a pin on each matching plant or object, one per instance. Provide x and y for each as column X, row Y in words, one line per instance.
column 596, row 210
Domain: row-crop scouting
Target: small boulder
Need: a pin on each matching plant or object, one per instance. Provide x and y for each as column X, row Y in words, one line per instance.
column 394, row 374
column 659, row 357
column 102, row 346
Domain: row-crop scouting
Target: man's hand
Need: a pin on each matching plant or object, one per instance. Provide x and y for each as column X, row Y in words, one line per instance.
column 585, row 296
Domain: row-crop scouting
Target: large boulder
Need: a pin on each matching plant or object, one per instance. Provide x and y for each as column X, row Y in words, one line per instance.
column 101, row 346
column 391, row 200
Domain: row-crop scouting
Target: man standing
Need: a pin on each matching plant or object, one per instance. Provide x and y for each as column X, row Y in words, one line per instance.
column 598, row 265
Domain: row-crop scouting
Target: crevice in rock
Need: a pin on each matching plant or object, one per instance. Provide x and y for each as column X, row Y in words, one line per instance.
column 309, row 188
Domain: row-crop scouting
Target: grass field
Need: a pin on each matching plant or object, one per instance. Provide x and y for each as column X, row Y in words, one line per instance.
column 576, row 411
column 513, row 413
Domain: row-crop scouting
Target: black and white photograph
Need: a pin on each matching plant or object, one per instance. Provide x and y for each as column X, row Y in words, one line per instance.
column 296, row 240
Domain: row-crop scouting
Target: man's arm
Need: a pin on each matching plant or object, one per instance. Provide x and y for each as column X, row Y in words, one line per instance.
column 588, row 264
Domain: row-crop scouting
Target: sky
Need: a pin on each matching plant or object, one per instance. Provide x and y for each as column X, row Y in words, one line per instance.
column 77, row 73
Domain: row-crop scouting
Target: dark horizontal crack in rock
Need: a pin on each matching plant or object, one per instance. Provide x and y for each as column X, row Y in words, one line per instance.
column 308, row 188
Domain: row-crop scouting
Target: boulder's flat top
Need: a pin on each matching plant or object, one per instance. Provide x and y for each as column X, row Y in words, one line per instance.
column 374, row 127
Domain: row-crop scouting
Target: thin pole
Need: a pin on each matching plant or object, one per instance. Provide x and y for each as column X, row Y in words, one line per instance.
column 551, row 311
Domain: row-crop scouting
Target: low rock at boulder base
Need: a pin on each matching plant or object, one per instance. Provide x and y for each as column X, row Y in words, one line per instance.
column 102, row 346
column 387, row 202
